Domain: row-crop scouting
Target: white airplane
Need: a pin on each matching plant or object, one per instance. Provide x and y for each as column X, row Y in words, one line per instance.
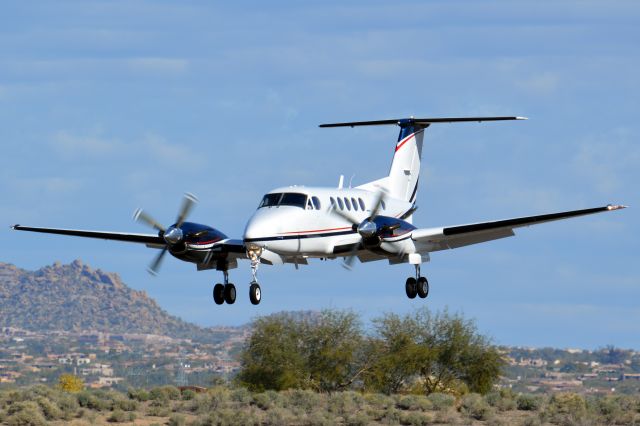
column 296, row 223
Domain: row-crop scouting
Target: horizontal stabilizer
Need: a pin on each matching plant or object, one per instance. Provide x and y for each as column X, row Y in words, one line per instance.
column 427, row 121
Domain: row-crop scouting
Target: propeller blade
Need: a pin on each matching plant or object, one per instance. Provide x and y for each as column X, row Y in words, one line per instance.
column 187, row 204
column 377, row 205
column 334, row 210
column 348, row 261
column 140, row 216
column 155, row 265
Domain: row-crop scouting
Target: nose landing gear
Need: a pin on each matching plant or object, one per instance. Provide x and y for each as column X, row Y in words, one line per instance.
column 255, row 294
column 418, row 286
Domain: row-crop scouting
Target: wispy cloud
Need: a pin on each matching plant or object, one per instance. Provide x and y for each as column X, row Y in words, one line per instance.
column 73, row 146
column 159, row 65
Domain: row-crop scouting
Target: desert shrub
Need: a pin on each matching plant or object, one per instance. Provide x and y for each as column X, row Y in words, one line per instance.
column 503, row 400
column 230, row 417
column 140, row 395
column 379, row 400
column 241, row 395
column 49, row 409
column 269, row 399
column 617, row 409
column 532, row 420
column 391, row 416
column 26, row 418
column 355, row 419
column 529, row 402
column 447, row 416
column 474, row 406
column 177, row 420
column 441, row 401
column 302, row 400
column 415, row 418
column 414, row 402
column 566, row 408
column 117, row 416
column 91, row 401
column 278, row 416
column 158, row 411
column 345, row 402
column 188, row 395
column 125, row 404
column 165, row 393
column 212, row 400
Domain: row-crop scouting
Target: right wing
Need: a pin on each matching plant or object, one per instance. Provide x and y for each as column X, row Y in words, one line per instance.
column 434, row 239
column 148, row 239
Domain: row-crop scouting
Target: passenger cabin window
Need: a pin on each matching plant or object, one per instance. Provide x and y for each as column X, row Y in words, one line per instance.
column 332, row 201
column 347, row 203
column 316, row 202
column 384, row 206
column 340, row 203
column 284, row 199
column 355, row 204
column 361, row 204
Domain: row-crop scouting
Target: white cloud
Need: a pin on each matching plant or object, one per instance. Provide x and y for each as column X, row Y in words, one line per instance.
column 73, row 146
column 608, row 160
column 544, row 83
column 159, row 65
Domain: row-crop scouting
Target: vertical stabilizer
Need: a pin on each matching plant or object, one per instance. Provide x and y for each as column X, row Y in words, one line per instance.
column 402, row 182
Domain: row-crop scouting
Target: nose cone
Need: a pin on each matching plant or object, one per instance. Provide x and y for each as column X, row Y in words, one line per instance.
column 264, row 225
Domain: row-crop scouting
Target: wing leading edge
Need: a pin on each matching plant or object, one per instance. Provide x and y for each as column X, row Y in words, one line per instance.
column 149, row 239
column 450, row 237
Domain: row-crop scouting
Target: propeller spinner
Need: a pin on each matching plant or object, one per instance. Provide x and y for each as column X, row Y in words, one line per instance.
column 172, row 235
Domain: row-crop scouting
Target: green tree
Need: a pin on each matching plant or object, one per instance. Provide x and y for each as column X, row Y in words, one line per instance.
column 70, row 383
column 291, row 351
column 443, row 352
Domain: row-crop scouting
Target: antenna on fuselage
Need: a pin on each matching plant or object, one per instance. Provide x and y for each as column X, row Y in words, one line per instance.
column 341, row 182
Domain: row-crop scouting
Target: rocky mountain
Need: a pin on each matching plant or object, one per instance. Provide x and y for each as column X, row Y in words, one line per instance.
column 77, row 298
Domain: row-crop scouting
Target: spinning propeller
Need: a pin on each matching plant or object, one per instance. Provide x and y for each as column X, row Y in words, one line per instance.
column 368, row 229
column 172, row 235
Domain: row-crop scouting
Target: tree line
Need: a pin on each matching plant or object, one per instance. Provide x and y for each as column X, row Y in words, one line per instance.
column 420, row 352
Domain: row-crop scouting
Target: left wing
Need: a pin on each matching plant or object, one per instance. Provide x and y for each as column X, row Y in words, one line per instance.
column 434, row 239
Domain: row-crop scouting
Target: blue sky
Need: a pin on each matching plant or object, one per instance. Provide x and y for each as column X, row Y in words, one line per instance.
column 106, row 106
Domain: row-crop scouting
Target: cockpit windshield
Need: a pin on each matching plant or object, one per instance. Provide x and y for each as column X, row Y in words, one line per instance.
column 284, row 199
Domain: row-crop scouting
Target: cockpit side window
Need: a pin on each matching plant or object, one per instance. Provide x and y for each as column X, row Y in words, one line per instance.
column 270, row 200
column 293, row 199
column 316, row 202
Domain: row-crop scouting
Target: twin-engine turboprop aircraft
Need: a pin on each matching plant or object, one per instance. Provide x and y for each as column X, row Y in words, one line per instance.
column 293, row 224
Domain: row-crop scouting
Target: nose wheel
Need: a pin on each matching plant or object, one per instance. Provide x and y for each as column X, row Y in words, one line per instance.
column 418, row 286
column 255, row 294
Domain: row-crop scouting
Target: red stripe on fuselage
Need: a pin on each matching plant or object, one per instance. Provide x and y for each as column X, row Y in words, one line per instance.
column 315, row 230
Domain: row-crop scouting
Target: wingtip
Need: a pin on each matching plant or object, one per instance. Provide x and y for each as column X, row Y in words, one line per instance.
column 14, row 227
column 611, row 207
column 522, row 118
column 191, row 197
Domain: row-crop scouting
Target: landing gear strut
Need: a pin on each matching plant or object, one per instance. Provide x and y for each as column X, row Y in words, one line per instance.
column 418, row 286
column 255, row 294
column 224, row 292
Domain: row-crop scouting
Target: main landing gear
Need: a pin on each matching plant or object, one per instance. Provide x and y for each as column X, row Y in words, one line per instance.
column 224, row 292
column 418, row 286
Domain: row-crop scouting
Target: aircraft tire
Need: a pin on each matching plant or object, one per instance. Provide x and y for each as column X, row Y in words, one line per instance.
column 255, row 294
column 218, row 294
column 411, row 287
column 230, row 294
column 423, row 287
